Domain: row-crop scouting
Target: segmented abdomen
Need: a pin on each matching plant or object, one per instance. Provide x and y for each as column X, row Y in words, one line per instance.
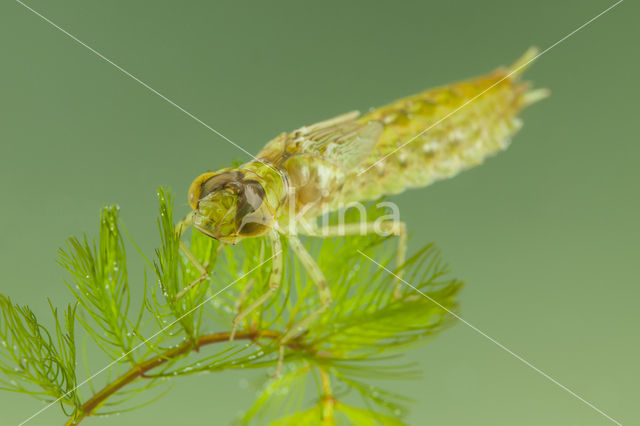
column 451, row 129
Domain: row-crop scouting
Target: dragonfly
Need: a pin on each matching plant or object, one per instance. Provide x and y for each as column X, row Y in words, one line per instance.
column 325, row 166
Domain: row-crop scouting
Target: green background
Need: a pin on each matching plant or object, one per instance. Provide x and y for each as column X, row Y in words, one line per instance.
column 545, row 235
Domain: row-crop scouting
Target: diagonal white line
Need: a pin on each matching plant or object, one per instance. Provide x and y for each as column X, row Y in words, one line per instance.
column 500, row 345
column 146, row 340
column 142, row 83
column 493, row 85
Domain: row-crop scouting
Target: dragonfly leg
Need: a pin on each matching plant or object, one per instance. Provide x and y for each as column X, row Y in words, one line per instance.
column 316, row 275
column 275, row 278
column 400, row 230
column 392, row 227
column 204, row 273
column 182, row 226
column 242, row 297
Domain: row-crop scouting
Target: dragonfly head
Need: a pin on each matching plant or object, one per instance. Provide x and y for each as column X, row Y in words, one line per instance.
column 229, row 206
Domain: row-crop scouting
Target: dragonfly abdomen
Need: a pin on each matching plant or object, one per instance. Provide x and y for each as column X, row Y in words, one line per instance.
column 441, row 132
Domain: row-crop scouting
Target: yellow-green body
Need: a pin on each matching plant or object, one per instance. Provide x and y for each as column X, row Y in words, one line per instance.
column 407, row 144
column 469, row 134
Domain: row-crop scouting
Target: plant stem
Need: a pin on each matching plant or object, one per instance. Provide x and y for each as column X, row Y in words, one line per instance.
column 89, row 407
column 328, row 401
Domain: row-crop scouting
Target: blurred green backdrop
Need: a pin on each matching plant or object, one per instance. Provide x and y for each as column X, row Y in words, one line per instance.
column 546, row 234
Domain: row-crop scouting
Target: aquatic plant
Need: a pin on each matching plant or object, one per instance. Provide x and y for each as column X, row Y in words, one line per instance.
column 149, row 336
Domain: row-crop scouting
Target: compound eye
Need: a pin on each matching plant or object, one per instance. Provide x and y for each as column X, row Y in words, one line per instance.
column 252, row 215
column 219, row 181
column 251, row 196
column 206, row 183
column 249, row 200
column 253, row 229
